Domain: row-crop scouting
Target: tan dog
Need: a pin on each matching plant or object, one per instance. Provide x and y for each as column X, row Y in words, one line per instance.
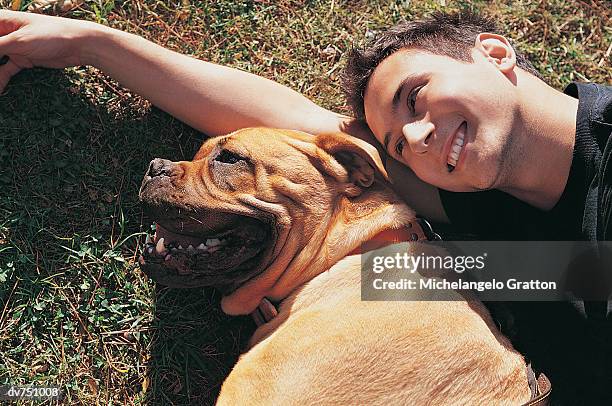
column 273, row 213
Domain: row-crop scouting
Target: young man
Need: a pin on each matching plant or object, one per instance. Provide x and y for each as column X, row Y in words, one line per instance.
column 453, row 100
column 448, row 97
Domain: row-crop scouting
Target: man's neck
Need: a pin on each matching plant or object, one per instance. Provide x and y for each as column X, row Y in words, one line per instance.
column 545, row 144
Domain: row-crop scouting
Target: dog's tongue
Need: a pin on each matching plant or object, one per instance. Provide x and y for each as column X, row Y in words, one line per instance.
column 169, row 236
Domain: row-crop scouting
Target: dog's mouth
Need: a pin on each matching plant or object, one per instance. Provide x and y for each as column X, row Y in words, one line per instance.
column 224, row 259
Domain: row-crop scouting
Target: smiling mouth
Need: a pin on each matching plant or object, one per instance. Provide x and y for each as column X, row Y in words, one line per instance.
column 456, row 147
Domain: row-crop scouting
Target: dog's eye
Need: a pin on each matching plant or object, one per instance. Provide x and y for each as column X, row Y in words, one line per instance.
column 229, row 157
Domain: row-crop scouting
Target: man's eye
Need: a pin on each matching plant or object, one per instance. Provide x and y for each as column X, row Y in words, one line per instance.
column 399, row 147
column 412, row 98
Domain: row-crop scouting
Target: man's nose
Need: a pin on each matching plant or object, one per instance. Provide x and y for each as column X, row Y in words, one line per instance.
column 418, row 135
column 161, row 167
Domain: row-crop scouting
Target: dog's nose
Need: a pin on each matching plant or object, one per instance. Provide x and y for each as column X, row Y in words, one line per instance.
column 160, row 167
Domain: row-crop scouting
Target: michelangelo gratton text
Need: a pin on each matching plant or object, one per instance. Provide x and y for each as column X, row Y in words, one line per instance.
column 481, row 286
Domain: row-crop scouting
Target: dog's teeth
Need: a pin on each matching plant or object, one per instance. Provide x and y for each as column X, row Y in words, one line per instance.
column 180, row 247
column 213, row 242
column 160, row 248
column 202, row 247
column 190, row 248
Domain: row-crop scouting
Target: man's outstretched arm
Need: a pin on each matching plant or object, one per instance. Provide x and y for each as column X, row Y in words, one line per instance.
column 213, row 99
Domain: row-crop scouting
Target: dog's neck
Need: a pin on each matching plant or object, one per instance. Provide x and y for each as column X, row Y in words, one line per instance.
column 352, row 223
column 409, row 232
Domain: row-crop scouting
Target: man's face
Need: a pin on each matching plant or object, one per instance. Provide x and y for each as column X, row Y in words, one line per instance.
column 450, row 121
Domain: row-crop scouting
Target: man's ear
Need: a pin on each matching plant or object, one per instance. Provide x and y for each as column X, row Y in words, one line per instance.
column 360, row 159
column 497, row 49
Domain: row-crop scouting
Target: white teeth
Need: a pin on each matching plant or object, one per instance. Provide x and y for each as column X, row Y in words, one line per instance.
column 160, row 248
column 211, row 245
column 456, row 148
column 213, row 242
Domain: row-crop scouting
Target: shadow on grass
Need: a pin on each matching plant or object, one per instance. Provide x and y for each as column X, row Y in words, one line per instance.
column 74, row 308
column 195, row 346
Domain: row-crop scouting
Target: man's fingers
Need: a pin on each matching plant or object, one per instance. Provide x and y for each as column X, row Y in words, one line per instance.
column 265, row 312
column 267, row 309
column 7, row 71
column 257, row 318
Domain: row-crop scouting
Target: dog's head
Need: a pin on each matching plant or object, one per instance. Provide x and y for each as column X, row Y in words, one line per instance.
column 250, row 202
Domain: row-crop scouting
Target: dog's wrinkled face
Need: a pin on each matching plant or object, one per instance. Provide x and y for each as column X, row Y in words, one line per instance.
column 246, row 200
column 202, row 237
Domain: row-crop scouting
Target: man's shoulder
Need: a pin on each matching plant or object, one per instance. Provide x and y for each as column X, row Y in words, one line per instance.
column 577, row 89
column 595, row 120
column 596, row 97
column 594, row 117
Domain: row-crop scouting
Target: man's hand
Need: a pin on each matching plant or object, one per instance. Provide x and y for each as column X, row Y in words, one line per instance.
column 265, row 312
column 36, row 40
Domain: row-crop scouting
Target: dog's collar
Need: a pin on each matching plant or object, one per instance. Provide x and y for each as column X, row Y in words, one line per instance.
column 540, row 388
column 417, row 230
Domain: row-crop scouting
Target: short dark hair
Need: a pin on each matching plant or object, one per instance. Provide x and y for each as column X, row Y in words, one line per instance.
column 445, row 34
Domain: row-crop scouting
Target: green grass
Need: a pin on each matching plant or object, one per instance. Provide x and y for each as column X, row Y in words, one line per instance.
column 75, row 310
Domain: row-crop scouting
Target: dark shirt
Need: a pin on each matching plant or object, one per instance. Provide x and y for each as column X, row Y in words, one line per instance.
column 570, row 341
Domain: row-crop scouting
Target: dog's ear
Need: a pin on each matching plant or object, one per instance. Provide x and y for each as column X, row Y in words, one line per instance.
column 360, row 159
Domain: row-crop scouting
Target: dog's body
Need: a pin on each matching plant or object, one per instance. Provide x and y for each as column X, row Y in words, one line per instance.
column 326, row 346
column 318, row 199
